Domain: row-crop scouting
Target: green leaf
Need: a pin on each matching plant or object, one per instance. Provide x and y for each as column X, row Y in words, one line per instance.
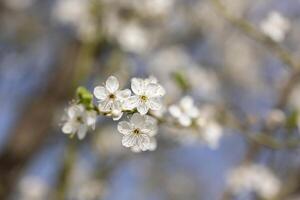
column 181, row 80
column 291, row 121
column 85, row 97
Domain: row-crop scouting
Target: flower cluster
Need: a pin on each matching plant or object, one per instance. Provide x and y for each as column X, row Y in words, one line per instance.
column 187, row 114
column 255, row 178
column 142, row 103
column 138, row 134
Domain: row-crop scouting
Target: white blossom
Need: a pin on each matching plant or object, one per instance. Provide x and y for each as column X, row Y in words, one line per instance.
column 133, row 38
column 185, row 112
column 210, row 130
column 147, row 95
column 275, row 26
column 79, row 120
column 212, row 134
column 77, row 14
column 111, row 98
column 139, row 132
column 256, row 178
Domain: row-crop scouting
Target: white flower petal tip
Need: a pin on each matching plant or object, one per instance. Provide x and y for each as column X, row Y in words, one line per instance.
column 112, row 84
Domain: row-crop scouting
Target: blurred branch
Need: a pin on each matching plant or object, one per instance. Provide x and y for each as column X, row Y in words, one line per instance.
column 35, row 125
column 70, row 158
column 249, row 30
column 84, row 65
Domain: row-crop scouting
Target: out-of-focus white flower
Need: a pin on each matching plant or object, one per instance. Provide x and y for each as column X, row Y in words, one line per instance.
column 211, row 134
column 139, row 132
column 133, row 38
column 147, row 96
column 185, row 112
column 111, row 98
column 33, row 188
column 79, row 120
column 275, row 26
column 77, row 14
column 211, row 130
column 254, row 178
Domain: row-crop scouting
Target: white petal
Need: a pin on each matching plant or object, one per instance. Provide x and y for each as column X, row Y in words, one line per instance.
column 150, row 129
column 105, row 106
column 154, row 103
column 131, row 103
column 125, row 127
column 175, row 111
column 123, row 94
column 161, row 91
column 116, row 106
column 138, row 86
column 187, row 102
column 91, row 118
column 153, row 144
column 68, row 128
column 116, row 117
column 184, row 120
column 151, row 79
column 150, row 126
column 82, row 131
column 143, row 142
column 150, row 120
column 136, row 149
column 75, row 110
column 193, row 112
column 138, row 120
column 142, row 108
column 212, row 134
column 112, row 84
column 152, row 90
column 129, row 140
column 100, row 92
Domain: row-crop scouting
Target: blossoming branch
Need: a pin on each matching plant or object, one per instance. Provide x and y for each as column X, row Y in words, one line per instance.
column 143, row 104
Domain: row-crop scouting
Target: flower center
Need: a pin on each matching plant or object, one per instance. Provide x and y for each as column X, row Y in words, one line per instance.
column 136, row 131
column 79, row 119
column 143, row 98
column 112, row 96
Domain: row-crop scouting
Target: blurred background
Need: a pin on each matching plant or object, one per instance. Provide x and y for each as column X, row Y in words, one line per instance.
column 193, row 47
